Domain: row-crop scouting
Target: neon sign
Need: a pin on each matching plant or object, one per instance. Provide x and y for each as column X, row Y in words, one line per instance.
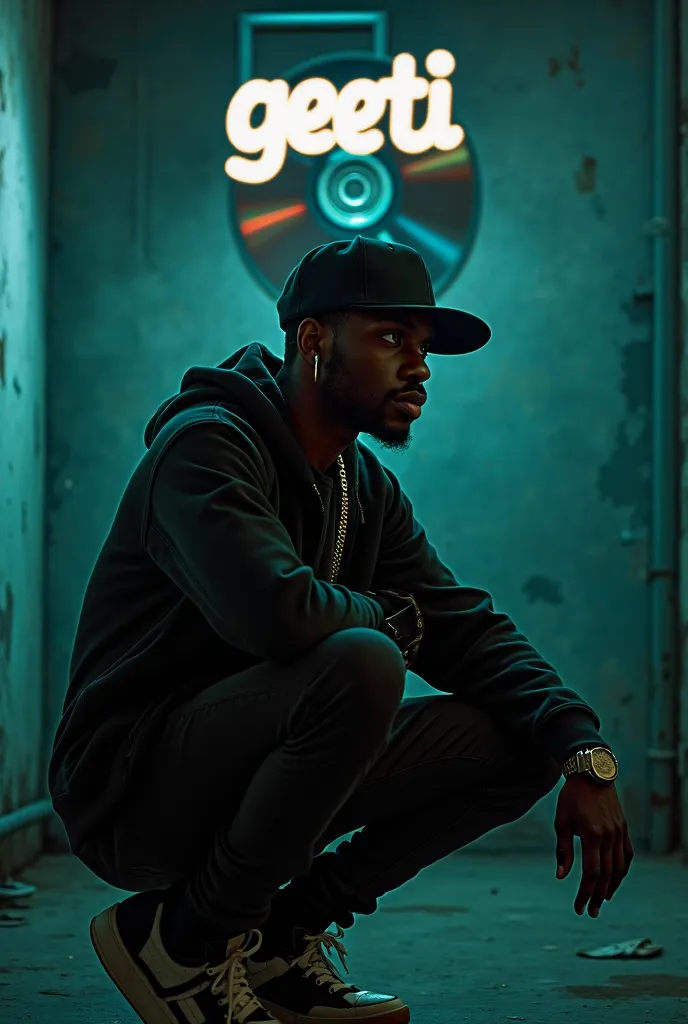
column 300, row 118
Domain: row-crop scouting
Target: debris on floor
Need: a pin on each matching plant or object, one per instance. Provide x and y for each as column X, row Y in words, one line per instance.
column 12, row 893
column 632, row 949
column 12, row 889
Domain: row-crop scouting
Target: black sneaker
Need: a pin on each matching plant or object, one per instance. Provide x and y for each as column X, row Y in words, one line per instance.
column 126, row 938
column 302, row 986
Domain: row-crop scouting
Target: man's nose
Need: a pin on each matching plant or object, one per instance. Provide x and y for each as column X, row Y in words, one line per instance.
column 417, row 368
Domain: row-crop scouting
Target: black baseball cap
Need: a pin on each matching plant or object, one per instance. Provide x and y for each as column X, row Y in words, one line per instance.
column 374, row 276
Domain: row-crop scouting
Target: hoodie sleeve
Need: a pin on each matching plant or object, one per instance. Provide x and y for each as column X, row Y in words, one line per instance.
column 474, row 652
column 212, row 529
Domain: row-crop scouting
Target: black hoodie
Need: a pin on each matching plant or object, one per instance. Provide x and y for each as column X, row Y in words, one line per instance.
column 219, row 558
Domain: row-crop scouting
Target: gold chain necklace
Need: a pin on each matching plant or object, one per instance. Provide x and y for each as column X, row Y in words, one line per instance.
column 343, row 519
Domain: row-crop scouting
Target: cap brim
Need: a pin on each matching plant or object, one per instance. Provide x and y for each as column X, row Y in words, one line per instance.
column 454, row 331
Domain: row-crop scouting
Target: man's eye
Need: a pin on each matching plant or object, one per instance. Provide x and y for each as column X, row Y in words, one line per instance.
column 400, row 338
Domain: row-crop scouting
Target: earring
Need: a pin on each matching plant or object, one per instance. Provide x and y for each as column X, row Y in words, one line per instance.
column 315, row 369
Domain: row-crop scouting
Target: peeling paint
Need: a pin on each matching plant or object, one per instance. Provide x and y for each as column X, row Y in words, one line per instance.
column 638, row 309
column 84, row 71
column 541, row 588
column 636, row 371
column 572, row 62
column 623, row 478
column 6, row 623
column 3, row 94
column 16, row 385
column 586, row 175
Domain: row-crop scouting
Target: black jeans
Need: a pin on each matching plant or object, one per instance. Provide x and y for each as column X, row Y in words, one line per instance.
column 253, row 778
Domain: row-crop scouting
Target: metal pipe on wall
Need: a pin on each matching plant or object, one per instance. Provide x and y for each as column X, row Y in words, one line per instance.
column 24, row 816
column 663, row 567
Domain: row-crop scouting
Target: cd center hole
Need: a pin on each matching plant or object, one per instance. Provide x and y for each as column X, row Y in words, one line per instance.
column 354, row 188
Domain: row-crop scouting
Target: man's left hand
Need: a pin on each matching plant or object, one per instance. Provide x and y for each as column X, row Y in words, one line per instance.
column 594, row 813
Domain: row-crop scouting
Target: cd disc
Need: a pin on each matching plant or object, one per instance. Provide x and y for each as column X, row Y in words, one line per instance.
column 429, row 202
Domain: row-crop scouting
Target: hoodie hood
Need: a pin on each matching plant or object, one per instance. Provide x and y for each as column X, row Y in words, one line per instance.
column 246, row 383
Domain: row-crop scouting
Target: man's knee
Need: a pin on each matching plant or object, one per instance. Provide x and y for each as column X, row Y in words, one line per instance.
column 368, row 664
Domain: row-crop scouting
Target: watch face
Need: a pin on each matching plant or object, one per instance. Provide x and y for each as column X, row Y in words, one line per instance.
column 603, row 764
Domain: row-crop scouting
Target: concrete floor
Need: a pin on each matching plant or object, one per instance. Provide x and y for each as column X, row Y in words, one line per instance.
column 478, row 937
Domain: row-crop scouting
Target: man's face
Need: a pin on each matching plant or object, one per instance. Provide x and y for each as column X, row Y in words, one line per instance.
column 373, row 364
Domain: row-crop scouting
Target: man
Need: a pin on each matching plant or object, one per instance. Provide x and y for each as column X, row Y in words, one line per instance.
column 236, row 693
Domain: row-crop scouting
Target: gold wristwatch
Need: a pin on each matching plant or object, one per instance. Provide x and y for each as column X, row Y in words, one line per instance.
column 597, row 762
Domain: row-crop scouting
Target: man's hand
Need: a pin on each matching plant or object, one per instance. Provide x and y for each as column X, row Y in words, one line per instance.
column 594, row 813
column 403, row 621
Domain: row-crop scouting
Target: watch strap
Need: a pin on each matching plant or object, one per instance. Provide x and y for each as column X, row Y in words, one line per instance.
column 581, row 763
column 578, row 763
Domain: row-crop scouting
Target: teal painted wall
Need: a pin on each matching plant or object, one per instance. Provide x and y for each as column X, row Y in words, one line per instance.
column 530, row 467
column 24, row 111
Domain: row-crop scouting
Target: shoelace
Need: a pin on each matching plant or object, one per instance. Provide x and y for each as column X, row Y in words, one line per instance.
column 314, row 959
column 231, row 984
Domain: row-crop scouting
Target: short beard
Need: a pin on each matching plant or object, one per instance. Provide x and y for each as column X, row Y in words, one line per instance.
column 341, row 405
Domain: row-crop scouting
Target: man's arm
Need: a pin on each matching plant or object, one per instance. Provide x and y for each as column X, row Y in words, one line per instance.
column 473, row 651
column 213, row 531
column 469, row 649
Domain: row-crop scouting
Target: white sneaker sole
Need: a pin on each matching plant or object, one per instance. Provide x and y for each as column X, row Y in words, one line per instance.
column 133, row 985
column 397, row 1015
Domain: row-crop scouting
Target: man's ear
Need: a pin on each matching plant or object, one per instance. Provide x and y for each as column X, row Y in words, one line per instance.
column 310, row 334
